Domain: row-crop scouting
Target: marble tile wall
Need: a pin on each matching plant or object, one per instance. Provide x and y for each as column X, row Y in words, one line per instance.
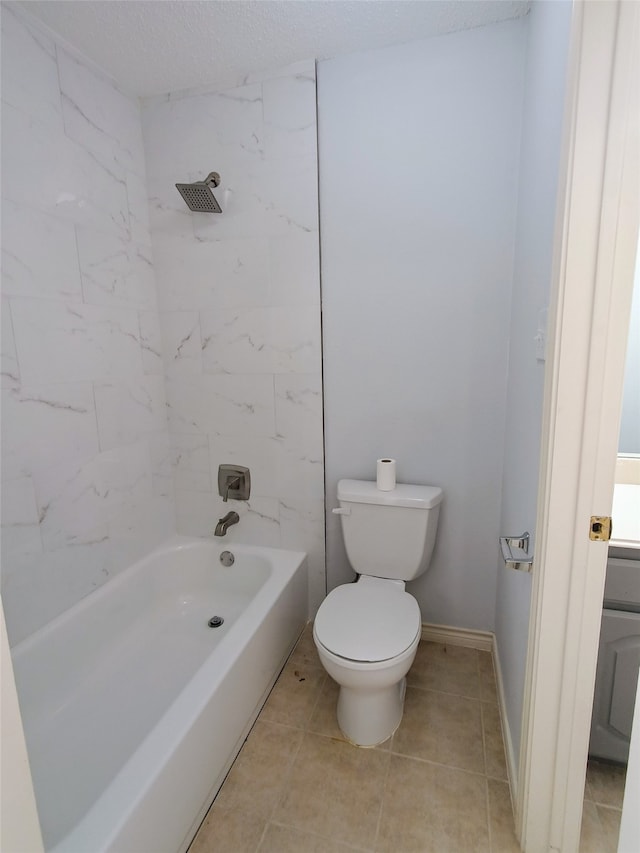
column 239, row 299
column 86, row 476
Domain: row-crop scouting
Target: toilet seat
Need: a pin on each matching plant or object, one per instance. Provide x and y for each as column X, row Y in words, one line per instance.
column 368, row 621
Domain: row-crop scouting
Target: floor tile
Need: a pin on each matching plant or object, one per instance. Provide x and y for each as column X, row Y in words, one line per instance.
column 298, row 785
column 257, row 779
column 432, row 809
column 606, row 783
column 501, row 823
column 588, row 793
column 323, row 720
column 438, row 785
column 284, row 839
column 441, row 727
column 610, row 822
column 495, row 763
column 591, row 836
column 335, row 790
column 237, row 830
column 600, row 828
column 305, row 652
column 451, row 669
column 295, row 694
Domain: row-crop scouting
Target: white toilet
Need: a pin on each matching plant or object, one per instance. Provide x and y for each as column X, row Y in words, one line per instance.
column 367, row 632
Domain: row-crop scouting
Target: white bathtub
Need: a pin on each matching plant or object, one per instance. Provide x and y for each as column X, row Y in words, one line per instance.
column 134, row 708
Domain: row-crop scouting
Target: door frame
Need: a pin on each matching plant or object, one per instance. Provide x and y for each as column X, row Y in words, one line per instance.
column 596, row 238
column 19, row 827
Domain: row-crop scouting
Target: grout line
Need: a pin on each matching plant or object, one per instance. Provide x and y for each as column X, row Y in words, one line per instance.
column 382, row 798
column 389, row 751
column 438, row 764
column 313, row 834
column 448, row 693
column 294, row 758
column 605, row 806
column 277, row 725
column 315, row 704
column 484, row 745
column 484, row 739
column 497, row 778
column 601, row 830
column 484, row 758
column 285, row 785
column 488, row 813
column 262, row 835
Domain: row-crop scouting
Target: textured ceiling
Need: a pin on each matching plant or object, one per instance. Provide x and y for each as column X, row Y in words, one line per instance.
column 156, row 46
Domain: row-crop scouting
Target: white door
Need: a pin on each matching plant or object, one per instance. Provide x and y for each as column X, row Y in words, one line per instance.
column 596, row 246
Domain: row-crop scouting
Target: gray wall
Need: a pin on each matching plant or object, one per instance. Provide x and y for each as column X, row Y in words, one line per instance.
column 547, row 52
column 419, row 149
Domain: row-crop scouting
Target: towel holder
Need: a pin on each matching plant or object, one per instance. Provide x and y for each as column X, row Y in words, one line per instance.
column 515, row 552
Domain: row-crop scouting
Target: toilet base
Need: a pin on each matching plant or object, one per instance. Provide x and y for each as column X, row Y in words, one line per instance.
column 369, row 717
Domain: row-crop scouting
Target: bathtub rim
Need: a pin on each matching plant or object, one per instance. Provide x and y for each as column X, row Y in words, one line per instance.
column 177, row 543
column 106, row 817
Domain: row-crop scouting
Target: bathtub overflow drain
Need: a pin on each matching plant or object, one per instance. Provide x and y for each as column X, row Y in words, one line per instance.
column 227, row 558
column 215, row 621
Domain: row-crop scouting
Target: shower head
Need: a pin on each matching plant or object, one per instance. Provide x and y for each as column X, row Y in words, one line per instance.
column 198, row 195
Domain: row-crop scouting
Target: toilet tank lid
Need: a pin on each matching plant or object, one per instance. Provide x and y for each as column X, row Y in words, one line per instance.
column 404, row 494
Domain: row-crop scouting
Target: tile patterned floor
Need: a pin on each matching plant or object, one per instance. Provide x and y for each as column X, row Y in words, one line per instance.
column 604, row 791
column 439, row 784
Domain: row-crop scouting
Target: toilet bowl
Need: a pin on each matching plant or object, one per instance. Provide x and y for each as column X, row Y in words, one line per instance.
column 367, row 632
column 367, row 636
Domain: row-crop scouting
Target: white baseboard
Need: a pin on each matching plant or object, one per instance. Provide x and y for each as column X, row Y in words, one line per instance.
column 512, row 767
column 482, row 640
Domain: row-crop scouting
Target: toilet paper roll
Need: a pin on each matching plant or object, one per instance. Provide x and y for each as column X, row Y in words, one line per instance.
column 386, row 475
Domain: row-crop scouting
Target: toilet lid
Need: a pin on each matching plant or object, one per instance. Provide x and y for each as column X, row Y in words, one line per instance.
column 367, row 623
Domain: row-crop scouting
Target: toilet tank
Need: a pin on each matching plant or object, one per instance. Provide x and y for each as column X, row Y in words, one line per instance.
column 389, row 534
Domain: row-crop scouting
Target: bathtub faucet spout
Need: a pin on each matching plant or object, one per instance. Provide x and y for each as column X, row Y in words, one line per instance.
column 226, row 522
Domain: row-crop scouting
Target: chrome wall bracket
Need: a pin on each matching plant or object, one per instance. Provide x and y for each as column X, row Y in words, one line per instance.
column 515, row 552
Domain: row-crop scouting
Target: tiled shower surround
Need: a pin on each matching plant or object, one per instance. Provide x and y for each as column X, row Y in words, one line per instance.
column 138, row 353
column 239, row 300
column 86, row 488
